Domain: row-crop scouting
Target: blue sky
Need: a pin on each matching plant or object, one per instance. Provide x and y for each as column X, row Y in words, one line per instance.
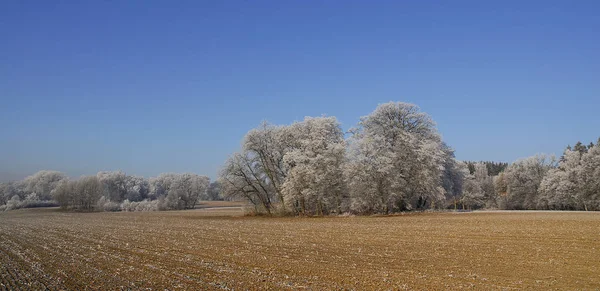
column 172, row 86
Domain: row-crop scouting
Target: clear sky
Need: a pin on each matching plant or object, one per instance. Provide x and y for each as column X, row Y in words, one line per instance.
column 172, row 86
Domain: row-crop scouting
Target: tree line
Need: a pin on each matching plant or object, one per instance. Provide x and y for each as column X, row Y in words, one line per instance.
column 493, row 168
column 108, row 191
column 393, row 160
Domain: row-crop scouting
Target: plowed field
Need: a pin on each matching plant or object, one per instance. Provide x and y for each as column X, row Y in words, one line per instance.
column 216, row 248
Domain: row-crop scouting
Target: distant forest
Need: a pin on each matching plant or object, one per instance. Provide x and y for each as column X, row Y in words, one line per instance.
column 394, row 160
column 493, row 168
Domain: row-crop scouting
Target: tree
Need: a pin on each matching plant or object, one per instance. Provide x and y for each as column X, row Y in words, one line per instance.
column 64, row 194
column 115, row 185
column 10, row 189
column 315, row 179
column 214, row 191
column 560, row 189
column 485, row 184
column 185, row 191
column 43, row 182
column 159, row 186
column 453, row 176
column 268, row 144
column 395, row 160
column 573, row 185
column 473, row 194
column 589, row 179
column 581, row 148
column 243, row 177
column 82, row 194
column 119, row 187
column 523, row 178
column 137, row 188
column 89, row 190
column 501, row 190
column 257, row 172
column 493, row 168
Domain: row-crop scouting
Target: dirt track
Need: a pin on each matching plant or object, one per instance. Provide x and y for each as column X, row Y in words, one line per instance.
column 207, row 249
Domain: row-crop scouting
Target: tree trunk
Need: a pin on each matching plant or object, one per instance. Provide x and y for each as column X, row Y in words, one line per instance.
column 319, row 208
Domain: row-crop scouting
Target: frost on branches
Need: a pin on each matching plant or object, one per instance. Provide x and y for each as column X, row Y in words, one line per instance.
column 396, row 161
column 296, row 168
column 393, row 160
column 315, row 160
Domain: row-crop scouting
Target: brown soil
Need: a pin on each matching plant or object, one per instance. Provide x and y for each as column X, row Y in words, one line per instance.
column 211, row 249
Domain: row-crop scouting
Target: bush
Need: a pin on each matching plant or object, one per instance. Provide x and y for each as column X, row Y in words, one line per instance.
column 13, row 203
column 144, row 205
column 31, row 201
column 174, row 200
column 105, row 204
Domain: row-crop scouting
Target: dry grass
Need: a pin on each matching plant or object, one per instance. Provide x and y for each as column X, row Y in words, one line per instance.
column 209, row 249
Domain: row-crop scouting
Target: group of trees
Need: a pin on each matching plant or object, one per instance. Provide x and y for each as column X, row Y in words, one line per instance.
column 574, row 184
column 493, row 168
column 108, row 191
column 33, row 191
column 395, row 160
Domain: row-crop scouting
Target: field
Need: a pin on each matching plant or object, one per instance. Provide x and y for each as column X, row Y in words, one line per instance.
column 215, row 248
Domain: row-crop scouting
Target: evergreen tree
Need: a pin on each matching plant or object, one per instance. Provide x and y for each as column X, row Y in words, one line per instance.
column 579, row 147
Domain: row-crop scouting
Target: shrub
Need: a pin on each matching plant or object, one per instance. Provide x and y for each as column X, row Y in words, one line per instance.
column 13, row 203
column 105, row 204
column 144, row 205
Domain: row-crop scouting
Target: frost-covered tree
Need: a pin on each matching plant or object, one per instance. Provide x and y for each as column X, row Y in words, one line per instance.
column 13, row 203
column 574, row 184
column 500, row 188
column 10, row 189
column 65, row 193
column 315, row 179
column 115, row 185
column 88, row 191
column 159, row 186
column 119, row 187
column 42, row 183
column 590, row 178
column 478, row 188
column 473, row 194
column 242, row 177
column 186, row 190
column 214, row 191
column 106, row 191
column 3, row 191
column 395, row 160
column 560, row 188
column 82, row 194
column 268, row 144
column 486, row 183
column 137, row 187
column 257, row 172
column 453, row 176
column 523, row 179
